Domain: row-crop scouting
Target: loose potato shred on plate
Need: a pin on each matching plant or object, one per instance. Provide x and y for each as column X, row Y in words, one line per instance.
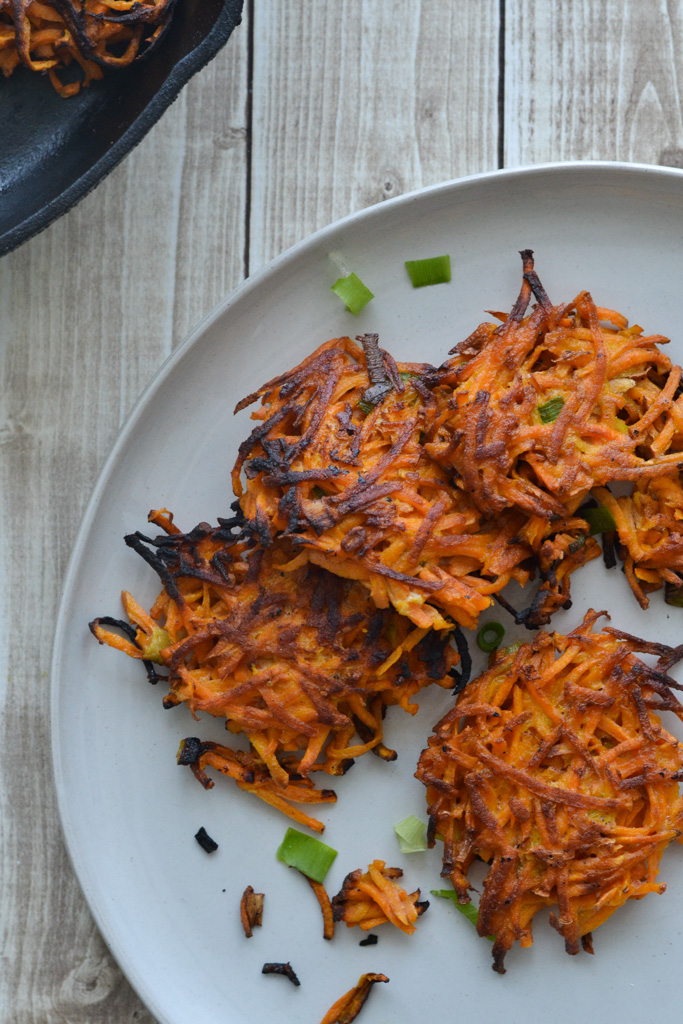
column 346, row 1009
column 554, row 768
column 374, row 897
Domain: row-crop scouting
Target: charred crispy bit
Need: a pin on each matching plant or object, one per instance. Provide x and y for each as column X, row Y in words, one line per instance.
column 375, row 897
column 352, row 483
column 349, row 1006
column 90, row 36
column 251, row 910
column 554, row 768
column 286, row 970
column 298, row 659
column 369, row 940
column 207, row 844
column 554, row 402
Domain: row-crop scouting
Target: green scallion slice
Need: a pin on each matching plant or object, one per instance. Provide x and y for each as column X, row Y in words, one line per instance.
column 551, row 409
column 600, row 519
column 673, row 595
column 490, row 636
column 406, row 375
column 352, row 292
column 308, row 855
column 578, row 543
column 365, row 407
column 436, row 270
column 411, row 833
column 155, row 645
column 468, row 910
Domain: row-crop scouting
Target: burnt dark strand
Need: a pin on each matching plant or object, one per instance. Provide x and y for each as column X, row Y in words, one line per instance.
column 286, row 970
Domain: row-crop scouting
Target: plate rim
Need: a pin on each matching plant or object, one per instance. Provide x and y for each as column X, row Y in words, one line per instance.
column 613, row 169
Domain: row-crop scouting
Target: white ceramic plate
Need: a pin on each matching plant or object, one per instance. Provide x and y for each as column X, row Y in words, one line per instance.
column 170, row 912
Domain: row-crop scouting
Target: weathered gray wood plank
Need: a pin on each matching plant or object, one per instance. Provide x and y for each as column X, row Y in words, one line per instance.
column 356, row 102
column 90, row 309
column 587, row 80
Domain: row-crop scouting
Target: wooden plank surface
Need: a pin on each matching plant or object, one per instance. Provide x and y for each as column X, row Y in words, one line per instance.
column 593, row 80
column 356, row 102
column 353, row 102
column 90, row 309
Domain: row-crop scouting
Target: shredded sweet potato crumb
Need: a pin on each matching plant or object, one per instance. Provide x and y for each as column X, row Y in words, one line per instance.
column 346, row 1009
column 375, row 897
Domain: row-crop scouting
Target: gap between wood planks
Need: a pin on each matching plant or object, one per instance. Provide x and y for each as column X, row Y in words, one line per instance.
column 249, row 5
column 501, row 84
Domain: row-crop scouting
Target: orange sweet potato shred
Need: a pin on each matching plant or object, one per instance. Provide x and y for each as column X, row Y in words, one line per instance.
column 340, row 465
column 52, row 35
column 374, row 897
column 295, row 658
column 554, row 768
column 347, row 1008
column 554, row 404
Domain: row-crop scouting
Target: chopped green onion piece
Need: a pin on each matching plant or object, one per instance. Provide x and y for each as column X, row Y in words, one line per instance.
column 468, row 910
column 411, row 835
column 577, row 543
column 600, row 519
column 155, row 645
column 352, row 292
column 551, row 409
column 490, row 636
column 436, row 270
column 406, row 375
column 673, row 595
column 308, row 855
column 365, row 407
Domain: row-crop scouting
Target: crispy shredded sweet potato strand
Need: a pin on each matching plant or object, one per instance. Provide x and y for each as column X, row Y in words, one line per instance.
column 554, row 768
column 52, row 35
column 346, row 1009
column 375, row 897
column 297, row 659
column 325, row 906
column 351, row 483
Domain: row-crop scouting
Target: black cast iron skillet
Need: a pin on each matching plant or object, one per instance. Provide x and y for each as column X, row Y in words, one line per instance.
column 53, row 151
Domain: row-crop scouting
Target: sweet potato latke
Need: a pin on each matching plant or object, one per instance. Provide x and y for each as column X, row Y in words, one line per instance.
column 297, row 659
column 537, row 412
column 554, row 768
column 339, row 464
column 52, row 35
